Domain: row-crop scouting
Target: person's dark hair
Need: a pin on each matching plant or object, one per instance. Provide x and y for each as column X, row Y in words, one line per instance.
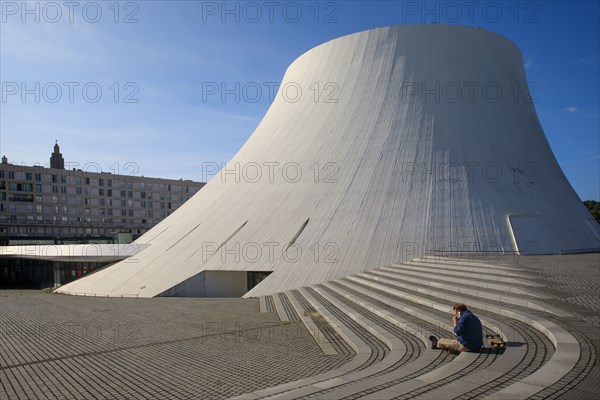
column 460, row 307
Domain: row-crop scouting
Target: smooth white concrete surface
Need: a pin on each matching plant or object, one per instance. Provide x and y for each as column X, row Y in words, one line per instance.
column 419, row 138
column 75, row 252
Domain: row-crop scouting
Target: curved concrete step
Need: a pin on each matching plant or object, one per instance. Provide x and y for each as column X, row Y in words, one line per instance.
column 387, row 304
column 492, row 271
column 437, row 269
column 362, row 365
column 463, row 297
column 563, row 360
column 463, row 262
column 314, row 328
column 474, row 283
column 509, row 362
column 461, row 366
column 464, row 289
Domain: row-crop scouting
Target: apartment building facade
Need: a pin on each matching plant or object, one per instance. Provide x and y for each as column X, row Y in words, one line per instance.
column 40, row 205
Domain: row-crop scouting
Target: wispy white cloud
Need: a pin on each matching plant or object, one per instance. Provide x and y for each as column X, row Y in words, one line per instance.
column 531, row 65
column 572, row 109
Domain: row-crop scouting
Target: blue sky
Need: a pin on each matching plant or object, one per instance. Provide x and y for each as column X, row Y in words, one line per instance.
column 162, row 54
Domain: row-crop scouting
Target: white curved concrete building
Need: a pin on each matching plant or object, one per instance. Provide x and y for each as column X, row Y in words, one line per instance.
column 420, row 138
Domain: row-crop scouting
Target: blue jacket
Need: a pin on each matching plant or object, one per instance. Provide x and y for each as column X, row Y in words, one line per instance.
column 469, row 331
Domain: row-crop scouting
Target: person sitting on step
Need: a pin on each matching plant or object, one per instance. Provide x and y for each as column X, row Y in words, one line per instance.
column 469, row 333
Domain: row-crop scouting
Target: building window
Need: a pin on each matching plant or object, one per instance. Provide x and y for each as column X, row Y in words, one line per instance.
column 87, row 201
column 55, row 209
column 162, row 205
column 38, row 177
column 109, row 182
column 123, row 213
column 63, row 189
column 54, row 188
column 150, row 204
column 143, row 203
column 101, row 192
column 110, row 211
column 131, row 213
column 54, row 199
column 109, row 192
column 38, row 209
column 101, row 202
column 129, row 185
column 63, row 179
column 54, row 178
column 143, row 195
column 38, row 198
column 169, row 205
column 122, row 193
column 100, row 182
column 87, row 211
column 87, row 180
column 30, row 208
column 28, row 176
column 64, row 219
column 130, row 203
column 11, row 174
column 78, row 180
column 123, row 203
column 130, row 194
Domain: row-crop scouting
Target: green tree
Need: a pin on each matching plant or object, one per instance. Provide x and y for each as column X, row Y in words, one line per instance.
column 594, row 207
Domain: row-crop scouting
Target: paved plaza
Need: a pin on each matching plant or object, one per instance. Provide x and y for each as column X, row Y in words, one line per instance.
column 68, row 347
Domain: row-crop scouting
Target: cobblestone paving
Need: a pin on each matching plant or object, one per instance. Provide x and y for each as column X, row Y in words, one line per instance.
column 62, row 347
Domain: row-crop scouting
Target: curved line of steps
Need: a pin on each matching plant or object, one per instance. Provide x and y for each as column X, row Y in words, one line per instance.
column 364, row 353
column 462, row 372
column 563, row 360
column 405, row 373
column 485, row 284
column 467, row 288
column 474, row 265
column 348, row 374
column 447, row 382
column 442, row 270
column 428, row 287
column 379, row 380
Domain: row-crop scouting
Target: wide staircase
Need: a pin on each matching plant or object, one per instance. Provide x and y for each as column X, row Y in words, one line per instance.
column 386, row 315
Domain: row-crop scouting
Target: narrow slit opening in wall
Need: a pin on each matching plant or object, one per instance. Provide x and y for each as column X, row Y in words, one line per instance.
column 297, row 234
column 222, row 244
column 232, row 235
column 184, row 236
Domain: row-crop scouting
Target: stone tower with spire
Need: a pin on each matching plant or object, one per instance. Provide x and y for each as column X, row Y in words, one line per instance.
column 56, row 159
